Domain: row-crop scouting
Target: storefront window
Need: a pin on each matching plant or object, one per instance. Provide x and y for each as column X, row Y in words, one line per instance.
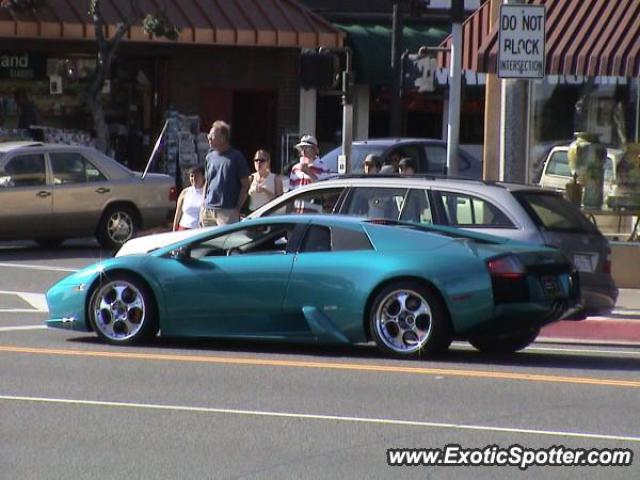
column 606, row 111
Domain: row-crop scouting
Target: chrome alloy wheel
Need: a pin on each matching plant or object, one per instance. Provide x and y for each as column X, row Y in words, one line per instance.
column 118, row 310
column 120, row 226
column 403, row 321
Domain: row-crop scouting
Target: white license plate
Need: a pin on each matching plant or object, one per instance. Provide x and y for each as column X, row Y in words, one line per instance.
column 583, row 262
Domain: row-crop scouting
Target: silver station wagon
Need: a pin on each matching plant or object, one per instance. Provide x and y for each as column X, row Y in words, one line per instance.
column 520, row 212
column 49, row 193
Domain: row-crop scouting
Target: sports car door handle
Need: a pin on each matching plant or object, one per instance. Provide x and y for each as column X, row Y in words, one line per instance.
column 103, row 190
column 43, row 194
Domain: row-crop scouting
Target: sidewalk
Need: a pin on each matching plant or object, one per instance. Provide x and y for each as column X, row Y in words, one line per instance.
column 621, row 327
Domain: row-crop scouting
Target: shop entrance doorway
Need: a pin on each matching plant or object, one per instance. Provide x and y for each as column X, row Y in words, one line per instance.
column 252, row 115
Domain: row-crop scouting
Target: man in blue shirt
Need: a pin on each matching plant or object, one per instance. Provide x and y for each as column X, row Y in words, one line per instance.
column 226, row 179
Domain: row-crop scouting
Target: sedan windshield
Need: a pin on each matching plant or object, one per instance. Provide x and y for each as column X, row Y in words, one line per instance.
column 554, row 213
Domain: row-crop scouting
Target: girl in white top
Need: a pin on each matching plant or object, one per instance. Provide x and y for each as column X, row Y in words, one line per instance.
column 265, row 185
column 190, row 201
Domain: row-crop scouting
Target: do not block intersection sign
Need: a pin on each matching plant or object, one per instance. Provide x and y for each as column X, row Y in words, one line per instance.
column 521, row 39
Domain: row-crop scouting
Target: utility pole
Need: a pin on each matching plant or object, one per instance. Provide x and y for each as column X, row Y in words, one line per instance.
column 455, row 75
column 395, row 126
column 513, row 127
column 347, row 83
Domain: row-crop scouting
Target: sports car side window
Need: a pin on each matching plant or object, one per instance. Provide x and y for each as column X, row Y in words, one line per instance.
column 317, row 239
column 335, row 239
column 469, row 211
column 23, row 171
column 321, row 201
column 258, row 239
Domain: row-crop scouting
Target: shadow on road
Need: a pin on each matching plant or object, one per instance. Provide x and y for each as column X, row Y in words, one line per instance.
column 456, row 356
column 13, row 252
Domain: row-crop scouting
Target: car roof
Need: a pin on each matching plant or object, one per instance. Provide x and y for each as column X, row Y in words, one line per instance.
column 419, row 180
column 8, row 146
column 395, row 140
column 611, row 151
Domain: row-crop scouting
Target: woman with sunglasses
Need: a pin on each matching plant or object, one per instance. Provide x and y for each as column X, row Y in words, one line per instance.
column 265, row 185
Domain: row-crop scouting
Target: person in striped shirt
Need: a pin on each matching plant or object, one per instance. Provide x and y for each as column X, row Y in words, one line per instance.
column 310, row 168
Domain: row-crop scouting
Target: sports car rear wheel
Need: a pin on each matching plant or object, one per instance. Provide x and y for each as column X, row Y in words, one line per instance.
column 508, row 343
column 122, row 310
column 408, row 319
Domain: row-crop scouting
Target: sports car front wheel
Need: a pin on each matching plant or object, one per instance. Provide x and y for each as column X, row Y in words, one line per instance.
column 407, row 319
column 122, row 310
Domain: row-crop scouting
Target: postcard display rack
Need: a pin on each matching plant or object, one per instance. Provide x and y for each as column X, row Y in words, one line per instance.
column 184, row 146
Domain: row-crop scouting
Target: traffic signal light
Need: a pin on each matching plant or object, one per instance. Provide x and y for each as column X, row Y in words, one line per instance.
column 319, row 70
column 419, row 7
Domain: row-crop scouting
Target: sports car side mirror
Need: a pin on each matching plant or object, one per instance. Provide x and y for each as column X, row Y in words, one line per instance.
column 181, row 253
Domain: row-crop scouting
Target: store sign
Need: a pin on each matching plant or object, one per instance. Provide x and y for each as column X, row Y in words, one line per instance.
column 521, row 46
column 23, row 66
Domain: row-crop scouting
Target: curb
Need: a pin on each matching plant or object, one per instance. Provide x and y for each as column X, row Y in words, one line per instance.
column 594, row 330
column 586, row 341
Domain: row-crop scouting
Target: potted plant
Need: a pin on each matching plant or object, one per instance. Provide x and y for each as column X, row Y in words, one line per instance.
column 587, row 157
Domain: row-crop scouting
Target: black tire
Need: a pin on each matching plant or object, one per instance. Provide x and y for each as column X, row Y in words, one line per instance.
column 50, row 242
column 118, row 224
column 407, row 319
column 122, row 310
column 507, row 343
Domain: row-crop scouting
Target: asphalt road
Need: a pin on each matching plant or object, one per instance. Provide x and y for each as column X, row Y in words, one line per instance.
column 72, row 407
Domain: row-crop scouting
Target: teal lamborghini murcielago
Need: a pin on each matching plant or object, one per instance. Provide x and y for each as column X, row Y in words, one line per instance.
column 410, row 288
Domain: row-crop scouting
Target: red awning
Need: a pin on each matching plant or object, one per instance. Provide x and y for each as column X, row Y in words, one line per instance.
column 583, row 37
column 270, row 23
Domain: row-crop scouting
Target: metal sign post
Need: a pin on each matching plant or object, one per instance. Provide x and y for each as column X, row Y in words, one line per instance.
column 155, row 149
column 455, row 73
column 521, row 56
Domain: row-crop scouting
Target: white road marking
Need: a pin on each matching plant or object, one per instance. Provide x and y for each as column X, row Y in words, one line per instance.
column 37, row 300
column 334, row 418
column 38, row 267
column 533, row 348
column 22, row 327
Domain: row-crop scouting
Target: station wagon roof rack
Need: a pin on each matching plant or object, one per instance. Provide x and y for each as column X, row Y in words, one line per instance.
column 422, row 176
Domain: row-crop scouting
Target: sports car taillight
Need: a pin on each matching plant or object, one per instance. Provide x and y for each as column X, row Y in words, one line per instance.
column 506, row 267
column 173, row 194
column 508, row 279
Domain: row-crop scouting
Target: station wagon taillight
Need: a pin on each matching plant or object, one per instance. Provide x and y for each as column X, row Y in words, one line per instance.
column 173, row 194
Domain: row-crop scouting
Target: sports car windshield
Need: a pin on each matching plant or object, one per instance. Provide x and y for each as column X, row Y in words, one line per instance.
column 255, row 239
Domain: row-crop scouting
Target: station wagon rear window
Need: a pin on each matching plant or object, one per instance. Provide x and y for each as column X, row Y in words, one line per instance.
column 554, row 213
